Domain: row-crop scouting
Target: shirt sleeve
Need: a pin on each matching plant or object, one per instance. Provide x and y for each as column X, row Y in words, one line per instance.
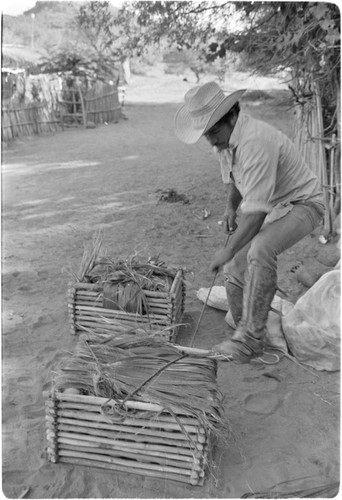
column 258, row 159
column 226, row 167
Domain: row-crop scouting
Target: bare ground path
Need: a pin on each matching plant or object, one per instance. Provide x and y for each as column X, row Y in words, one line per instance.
column 57, row 191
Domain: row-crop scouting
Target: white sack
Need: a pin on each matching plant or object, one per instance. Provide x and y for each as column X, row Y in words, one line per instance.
column 218, row 300
column 312, row 326
column 217, row 297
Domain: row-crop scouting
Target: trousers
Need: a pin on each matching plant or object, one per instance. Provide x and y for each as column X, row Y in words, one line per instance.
column 273, row 239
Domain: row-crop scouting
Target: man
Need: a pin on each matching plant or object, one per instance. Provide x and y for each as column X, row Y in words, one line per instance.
column 279, row 200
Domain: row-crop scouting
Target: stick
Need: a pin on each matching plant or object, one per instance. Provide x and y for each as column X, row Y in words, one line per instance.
column 124, row 427
column 152, row 377
column 97, row 400
column 127, row 469
column 116, row 314
column 86, row 286
column 161, row 424
column 132, row 405
column 129, row 421
column 206, row 301
column 169, row 452
column 84, row 293
column 193, row 351
column 178, row 281
column 162, row 459
column 118, row 461
column 162, row 418
column 171, row 427
column 128, row 433
column 24, row 492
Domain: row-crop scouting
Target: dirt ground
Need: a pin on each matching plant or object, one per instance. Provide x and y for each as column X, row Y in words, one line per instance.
column 58, row 190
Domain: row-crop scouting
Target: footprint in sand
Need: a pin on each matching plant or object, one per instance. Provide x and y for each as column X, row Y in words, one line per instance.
column 262, row 403
column 264, row 399
column 43, row 274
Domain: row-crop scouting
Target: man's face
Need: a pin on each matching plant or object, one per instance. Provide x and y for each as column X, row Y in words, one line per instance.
column 219, row 134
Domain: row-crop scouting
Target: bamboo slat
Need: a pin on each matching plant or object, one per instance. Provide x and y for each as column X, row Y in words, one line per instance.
column 95, row 312
column 322, row 162
column 189, row 424
column 169, row 436
column 155, row 447
column 118, row 461
column 195, row 480
column 86, row 286
column 130, row 405
column 161, row 458
column 163, row 308
column 29, row 119
column 102, row 104
column 332, row 181
column 120, row 443
column 310, row 140
column 87, row 416
column 127, row 433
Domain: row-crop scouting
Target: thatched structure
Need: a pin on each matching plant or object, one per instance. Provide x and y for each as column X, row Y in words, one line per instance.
column 321, row 152
column 136, row 405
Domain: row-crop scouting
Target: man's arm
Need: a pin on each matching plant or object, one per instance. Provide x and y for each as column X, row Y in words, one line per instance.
column 249, row 226
column 233, row 201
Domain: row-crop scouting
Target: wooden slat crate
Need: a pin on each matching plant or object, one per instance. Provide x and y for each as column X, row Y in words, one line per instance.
column 165, row 309
column 142, row 438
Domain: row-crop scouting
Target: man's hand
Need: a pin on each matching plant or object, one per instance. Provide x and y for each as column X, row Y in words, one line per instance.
column 229, row 220
column 220, row 258
column 249, row 226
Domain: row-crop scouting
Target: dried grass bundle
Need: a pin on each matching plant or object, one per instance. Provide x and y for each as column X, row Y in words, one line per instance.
column 128, row 367
column 124, row 281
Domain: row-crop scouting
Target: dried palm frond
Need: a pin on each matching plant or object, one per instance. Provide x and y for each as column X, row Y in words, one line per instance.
column 125, row 367
column 326, row 491
column 124, row 281
column 89, row 257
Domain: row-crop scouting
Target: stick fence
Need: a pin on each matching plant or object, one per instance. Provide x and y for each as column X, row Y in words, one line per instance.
column 99, row 105
column 319, row 151
column 102, row 106
column 19, row 121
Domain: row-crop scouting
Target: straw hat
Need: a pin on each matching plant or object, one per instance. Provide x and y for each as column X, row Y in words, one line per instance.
column 204, row 106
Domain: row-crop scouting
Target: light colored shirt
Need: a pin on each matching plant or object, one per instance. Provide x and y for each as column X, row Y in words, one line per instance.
column 267, row 169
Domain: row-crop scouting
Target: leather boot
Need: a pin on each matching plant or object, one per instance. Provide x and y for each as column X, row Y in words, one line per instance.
column 248, row 339
column 234, row 298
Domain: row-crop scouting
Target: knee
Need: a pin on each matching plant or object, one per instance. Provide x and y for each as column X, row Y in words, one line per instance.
column 261, row 253
column 228, row 269
column 234, row 272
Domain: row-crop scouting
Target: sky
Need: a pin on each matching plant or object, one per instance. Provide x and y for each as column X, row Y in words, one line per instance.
column 17, row 7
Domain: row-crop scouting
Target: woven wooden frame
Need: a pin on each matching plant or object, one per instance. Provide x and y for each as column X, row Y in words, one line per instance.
column 147, row 440
column 165, row 309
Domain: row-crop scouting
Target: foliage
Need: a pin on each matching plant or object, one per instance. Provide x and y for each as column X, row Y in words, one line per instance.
column 302, row 37
column 186, row 27
column 96, row 52
column 96, row 24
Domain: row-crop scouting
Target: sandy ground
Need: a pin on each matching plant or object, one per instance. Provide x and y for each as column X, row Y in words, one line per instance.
column 57, row 191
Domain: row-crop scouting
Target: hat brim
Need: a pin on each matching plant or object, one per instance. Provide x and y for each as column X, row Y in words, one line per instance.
column 183, row 124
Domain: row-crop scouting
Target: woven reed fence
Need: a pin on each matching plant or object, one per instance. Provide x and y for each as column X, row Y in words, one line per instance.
column 102, row 104
column 23, row 120
column 98, row 105
column 321, row 153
